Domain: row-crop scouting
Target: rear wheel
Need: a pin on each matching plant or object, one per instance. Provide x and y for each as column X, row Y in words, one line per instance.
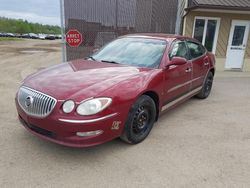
column 140, row 120
column 207, row 86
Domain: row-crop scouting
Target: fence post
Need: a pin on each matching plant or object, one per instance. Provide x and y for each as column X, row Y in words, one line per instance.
column 64, row 59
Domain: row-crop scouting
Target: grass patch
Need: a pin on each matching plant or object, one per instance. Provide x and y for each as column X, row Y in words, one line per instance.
column 9, row 39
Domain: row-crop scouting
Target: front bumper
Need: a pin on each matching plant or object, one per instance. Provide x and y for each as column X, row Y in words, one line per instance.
column 64, row 131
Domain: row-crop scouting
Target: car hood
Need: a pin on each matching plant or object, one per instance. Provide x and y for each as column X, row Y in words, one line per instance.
column 80, row 77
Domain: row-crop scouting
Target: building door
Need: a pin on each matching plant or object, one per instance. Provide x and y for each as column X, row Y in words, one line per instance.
column 237, row 44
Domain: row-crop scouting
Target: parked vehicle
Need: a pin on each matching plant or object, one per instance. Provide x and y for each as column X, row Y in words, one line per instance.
column 18, row 35
column 58, row 36
column 10, row 35
column 42, row 36
column 33, row 36
column 119, row 91
column 7, row 35
column 50, row 37
column 25, row 36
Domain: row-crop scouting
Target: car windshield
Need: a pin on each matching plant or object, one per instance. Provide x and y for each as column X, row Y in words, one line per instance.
column 139, row 52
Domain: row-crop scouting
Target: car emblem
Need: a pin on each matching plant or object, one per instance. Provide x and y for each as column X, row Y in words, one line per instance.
column 116, row 125
column 29, row 101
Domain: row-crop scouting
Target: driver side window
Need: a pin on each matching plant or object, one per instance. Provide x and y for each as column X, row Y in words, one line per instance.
column 179, row 50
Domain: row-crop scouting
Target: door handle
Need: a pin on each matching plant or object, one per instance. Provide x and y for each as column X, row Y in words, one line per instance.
column 206, row 63
column 188, row 70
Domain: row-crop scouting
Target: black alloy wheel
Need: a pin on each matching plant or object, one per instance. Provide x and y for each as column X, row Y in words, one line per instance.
column 207, row 86
column 140, row 120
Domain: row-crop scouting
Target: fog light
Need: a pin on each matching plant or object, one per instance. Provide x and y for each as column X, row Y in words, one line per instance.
column 91, row 133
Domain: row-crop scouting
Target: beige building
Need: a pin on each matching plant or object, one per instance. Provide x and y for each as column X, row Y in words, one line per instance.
column 223, row 27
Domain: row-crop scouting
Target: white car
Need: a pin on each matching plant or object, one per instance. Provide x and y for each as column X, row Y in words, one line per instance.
column 42, row 36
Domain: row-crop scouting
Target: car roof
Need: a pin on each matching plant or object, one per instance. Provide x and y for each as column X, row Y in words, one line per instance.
column 162, row 36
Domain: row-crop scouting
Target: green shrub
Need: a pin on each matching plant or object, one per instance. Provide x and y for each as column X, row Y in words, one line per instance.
column 23, row 26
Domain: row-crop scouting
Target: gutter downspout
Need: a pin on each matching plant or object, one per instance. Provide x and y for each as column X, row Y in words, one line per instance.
column 178, row 18
column 184, row 18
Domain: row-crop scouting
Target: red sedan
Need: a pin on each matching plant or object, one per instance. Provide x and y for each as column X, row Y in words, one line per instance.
column 119, row 91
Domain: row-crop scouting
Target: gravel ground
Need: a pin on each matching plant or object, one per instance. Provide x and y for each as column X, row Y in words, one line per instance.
column 198, row 144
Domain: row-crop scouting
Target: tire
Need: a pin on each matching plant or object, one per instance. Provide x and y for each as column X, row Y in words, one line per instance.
column 140, row 121
column 207, row 87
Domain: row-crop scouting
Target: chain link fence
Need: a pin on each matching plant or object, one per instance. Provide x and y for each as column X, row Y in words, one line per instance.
column 100, row 21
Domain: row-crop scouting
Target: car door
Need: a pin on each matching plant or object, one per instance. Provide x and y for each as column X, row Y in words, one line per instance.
column 200, row 63
column 177, row 77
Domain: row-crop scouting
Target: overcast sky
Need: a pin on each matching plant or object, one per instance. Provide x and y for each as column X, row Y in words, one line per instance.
column 40, row 11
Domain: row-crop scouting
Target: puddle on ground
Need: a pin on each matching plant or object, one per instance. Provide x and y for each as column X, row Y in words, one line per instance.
column 33, row 51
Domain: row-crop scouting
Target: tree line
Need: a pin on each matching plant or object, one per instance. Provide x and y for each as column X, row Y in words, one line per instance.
column 8, row 25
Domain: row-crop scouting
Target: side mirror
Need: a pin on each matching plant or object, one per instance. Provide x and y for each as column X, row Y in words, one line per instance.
column 177, row 61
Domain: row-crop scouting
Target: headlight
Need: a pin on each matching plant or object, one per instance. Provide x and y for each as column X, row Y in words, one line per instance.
column 93, row 106
column 68, row 106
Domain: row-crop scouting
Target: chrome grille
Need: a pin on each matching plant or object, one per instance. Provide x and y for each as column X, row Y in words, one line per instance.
column 35, row 103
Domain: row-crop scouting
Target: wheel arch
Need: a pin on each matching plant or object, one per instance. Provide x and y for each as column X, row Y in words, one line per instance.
column 212, row 70
column 156, row 99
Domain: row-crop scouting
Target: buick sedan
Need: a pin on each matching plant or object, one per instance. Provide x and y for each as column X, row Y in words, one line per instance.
column 118, row 92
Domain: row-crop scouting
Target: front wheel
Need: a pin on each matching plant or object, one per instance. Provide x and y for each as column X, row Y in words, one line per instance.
column 207, row 86
column 140, row 120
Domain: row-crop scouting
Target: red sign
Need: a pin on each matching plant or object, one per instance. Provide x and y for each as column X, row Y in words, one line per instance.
column 74, row 38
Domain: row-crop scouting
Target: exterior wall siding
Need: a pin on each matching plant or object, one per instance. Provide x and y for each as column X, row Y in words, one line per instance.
column 248, row 47
column 224, row 31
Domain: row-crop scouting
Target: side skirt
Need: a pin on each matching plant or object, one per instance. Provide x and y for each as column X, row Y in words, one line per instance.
column 176, row 101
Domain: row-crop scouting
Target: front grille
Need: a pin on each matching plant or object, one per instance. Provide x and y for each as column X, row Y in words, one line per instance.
column 35, row 103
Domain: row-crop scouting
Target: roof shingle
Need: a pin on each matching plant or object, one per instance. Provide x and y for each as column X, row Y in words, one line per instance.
column 223, row 4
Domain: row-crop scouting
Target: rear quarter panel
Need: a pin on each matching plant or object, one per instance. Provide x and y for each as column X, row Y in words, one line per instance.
column 212, row 59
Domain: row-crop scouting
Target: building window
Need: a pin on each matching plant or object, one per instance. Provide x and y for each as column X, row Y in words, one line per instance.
column 238, row 37
column 206, row 31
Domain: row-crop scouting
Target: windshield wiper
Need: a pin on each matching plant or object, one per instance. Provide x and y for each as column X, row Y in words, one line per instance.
column 91, row 57
column 113, row 62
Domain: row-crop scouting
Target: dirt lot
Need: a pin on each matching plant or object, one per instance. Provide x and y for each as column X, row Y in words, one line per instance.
column 199, row 144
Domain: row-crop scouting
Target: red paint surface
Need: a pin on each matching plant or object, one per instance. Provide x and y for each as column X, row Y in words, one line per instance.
column 82, row 79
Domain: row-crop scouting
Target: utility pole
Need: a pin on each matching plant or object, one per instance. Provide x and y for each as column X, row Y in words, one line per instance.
column 64, row 59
